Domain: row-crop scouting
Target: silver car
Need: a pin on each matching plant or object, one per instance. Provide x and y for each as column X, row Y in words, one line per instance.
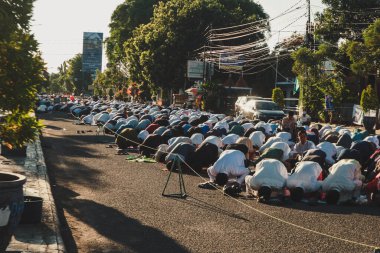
column 263, row 110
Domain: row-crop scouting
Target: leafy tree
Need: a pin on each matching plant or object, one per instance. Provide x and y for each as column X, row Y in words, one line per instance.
column 64, row 77
column 75, row 73
column 344, row 19
column 55, row 86
column 158, row 50
column 98, row 83
column 278, row 97
column 307, row 69
column 21, row 72
column 110, row 78
column 124, row 20
column 365, row 56
column 70, row 77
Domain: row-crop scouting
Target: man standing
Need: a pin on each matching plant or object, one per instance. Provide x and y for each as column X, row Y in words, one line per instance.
column 289, row 124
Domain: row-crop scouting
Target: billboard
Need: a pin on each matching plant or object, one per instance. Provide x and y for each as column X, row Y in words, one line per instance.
column 92, row 54
column 195, row 69
column 230, row 62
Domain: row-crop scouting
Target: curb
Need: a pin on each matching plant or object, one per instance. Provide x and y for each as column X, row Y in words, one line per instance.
column 42, row 170
column 33, row 238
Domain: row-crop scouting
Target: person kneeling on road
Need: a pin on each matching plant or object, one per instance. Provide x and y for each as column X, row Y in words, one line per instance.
column 182, row 152
column 268, row 181
column 305, row 181
column 230, row 165
column 344, row 182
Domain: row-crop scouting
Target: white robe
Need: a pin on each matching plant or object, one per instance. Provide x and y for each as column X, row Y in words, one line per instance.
column 329, row 149
column 266, row 126
column 269, row 142
column 230, row 139
column 345, row 176
column 197, row 138
column 230, row 162
column 247, row 126
column 285, row 136
column 257, row 138
column 214, row 140
column 284, row 147
column 305, row 176
column 222, row 124
column 269, row 172
column 175, row 140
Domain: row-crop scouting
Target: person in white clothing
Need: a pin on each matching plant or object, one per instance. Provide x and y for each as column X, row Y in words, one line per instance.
column 257, row 138
column 269, row 142
column 230, row 165
column 270, row 177
column 305, row 179
column 305, row 119
column 284, row 147
column 344, row 181
column 330, row 151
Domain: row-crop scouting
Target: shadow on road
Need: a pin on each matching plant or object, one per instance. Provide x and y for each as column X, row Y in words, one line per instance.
column 209, row 207
column 117, row 227
column 336, row 209
column 57, row 149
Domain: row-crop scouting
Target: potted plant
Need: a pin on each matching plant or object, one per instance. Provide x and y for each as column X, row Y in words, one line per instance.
column 16, row 130
column 368, row 102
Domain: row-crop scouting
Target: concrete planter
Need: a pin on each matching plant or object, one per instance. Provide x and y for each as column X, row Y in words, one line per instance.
column 11, row 205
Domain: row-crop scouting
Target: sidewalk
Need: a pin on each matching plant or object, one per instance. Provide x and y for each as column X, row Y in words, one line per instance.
column 43, row 237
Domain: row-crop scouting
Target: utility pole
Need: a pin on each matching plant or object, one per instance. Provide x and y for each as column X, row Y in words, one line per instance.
column 303, row 86
column 278, row 40
column 308, row 25
column 204, row 64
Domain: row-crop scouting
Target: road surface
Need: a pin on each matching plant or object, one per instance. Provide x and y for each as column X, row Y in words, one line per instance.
column 109, row 204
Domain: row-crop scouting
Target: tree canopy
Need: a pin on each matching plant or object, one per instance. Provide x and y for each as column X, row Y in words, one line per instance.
column 344, row 19
column 21, row 72
column 126, row 17
column 158, row 50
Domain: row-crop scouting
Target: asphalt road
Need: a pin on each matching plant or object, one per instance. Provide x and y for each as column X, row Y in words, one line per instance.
column 109, row 204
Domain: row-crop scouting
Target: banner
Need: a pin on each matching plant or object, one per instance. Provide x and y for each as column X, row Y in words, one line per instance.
column 228, row 62
column 357, row 115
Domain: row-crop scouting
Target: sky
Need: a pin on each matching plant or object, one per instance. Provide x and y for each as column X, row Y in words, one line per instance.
column 59, row 24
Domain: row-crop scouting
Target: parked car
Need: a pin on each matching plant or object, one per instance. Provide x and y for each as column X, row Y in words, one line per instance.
column 262, row 109
column 241, row 101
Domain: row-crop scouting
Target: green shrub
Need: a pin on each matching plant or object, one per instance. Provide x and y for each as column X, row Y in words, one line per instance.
column 18, row 129
column 369, row 100
column 278, row 97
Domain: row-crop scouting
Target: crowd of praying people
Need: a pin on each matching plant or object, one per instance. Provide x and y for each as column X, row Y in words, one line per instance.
column 287, row 160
